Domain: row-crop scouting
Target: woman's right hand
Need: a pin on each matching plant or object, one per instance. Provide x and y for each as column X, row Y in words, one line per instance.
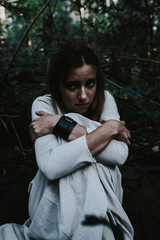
column 120, row 132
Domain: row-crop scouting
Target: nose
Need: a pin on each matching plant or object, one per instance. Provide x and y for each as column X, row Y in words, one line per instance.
column 82, row 94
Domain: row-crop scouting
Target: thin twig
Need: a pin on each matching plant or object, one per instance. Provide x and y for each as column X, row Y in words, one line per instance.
column 137, row 95
column 141, row 59
column 11, row 116
column 5, row 126
column 132, row 58
column 113, row 83
column 27, row 31
column 148, row 99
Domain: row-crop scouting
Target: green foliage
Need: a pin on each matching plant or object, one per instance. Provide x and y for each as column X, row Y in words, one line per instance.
column 125, row 35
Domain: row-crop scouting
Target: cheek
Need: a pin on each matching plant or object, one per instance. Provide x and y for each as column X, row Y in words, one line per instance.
column 94, row 92
column 69, row 96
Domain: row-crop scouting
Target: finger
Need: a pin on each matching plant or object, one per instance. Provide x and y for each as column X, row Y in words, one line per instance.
column 128, row 139
column 128, row 142
column 102, row 121
column 128, row 136
column 128, row 133
column 33, row 128
column 123, row 122
column 125, row 129
column 35, row 119
column 40, row 113
column 31, row 125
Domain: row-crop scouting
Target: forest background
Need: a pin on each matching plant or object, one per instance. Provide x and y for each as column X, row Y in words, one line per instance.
column 125, row 36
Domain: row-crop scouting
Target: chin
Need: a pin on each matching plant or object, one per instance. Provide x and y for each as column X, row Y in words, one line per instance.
column 81, row 112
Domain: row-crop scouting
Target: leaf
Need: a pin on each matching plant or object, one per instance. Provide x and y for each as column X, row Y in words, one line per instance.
column 155, row 148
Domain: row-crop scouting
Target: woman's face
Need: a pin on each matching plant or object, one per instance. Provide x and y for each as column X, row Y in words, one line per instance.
column 79, row 90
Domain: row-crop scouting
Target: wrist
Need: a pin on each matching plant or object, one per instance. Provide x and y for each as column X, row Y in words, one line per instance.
column 111, row 128
column 77, row 132
column 55, row 119
column 64, row 127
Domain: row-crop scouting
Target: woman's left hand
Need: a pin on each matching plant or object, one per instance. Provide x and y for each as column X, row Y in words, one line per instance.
column 43, row 125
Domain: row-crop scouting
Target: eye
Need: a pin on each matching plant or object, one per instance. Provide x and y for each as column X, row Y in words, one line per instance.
column 90, row 83
column 71, row 86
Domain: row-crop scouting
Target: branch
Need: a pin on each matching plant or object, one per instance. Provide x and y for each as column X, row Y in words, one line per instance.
column 137, row 95
column 141, row 59
column 27, row 31
column 5, row 126
column 6, row 115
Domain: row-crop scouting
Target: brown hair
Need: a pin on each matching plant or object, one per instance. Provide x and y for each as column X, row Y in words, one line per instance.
column 69, row 56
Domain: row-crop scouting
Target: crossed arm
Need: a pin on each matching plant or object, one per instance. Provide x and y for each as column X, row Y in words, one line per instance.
column 96, row 140
column 107, row 142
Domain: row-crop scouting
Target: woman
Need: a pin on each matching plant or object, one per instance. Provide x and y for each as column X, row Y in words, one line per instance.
column 79, row 142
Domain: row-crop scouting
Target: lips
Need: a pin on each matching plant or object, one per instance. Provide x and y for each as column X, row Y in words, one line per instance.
column 83, row 106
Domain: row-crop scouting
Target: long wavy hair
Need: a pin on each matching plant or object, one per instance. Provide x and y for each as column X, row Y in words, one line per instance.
column 69, row 56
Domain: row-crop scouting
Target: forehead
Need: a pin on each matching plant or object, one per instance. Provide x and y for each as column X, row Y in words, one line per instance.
column 84, row 72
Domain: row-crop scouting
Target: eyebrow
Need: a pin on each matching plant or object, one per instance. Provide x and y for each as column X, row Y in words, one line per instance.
column 75, row 81
column 72, row 82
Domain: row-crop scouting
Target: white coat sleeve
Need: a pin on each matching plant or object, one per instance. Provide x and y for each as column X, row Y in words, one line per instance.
column 56, row 157
column 116, row 152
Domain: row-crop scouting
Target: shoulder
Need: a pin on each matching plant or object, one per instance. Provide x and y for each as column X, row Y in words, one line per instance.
column 44, row 99
column 109, row 98
column 47, row 104
column 43, row 103
column 110, row 110
column 108, row 95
